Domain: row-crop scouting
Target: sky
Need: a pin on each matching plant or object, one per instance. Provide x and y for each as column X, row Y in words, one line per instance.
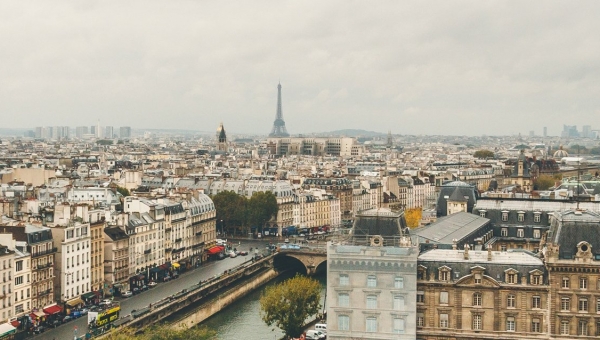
column 409, row 67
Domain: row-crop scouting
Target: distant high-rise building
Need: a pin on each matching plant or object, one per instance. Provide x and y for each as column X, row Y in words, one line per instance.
column 545, row 131
column 279, row 129
column 586, row 131
column 108, row 132
column 125, row 132
column 39, row 130
column 570, row 131
column 531, row 133
column 80, row 131
column 93, row 130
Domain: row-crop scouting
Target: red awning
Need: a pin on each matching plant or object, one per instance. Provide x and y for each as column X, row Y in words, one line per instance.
column 215, row 250
column 52, row 309
column 15, row 323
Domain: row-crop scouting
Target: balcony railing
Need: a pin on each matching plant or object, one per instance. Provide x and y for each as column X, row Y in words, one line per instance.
column 178, row 240
column 147, row 251
column 42, row 266
column 45, row 252
column 44, row 292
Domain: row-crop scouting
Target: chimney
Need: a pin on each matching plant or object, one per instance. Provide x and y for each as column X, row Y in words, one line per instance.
column 454, row 244
column 489, row 249
column 466, row 253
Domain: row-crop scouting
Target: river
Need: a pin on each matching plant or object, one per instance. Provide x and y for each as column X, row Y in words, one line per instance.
column 242, row 319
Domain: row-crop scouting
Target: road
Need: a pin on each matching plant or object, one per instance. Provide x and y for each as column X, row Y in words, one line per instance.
column 162, row 290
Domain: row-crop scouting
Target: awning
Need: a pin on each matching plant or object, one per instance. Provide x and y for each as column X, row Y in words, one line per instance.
column 215, row 250
column 15, row 323
column 6, row 329
column 74, row 302
column 37, row 315
column 88, row 295
column 163, row 266
column 52, row 309
column 175, row 265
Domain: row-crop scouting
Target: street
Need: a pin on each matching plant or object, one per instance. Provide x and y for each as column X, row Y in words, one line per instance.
column 78, row 327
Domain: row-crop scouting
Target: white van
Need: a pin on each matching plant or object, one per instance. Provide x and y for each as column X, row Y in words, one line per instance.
column 314, row 335
column 321, row 327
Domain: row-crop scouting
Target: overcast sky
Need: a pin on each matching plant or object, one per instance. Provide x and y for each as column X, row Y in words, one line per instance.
column 423, row 67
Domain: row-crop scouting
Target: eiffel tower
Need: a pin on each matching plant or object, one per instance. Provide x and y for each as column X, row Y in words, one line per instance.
column 279, row 129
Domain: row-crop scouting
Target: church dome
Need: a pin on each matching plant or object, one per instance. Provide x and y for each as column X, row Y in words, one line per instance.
column 560, row 153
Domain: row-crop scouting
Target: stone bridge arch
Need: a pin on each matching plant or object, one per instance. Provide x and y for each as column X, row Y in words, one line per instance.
column 311, row 262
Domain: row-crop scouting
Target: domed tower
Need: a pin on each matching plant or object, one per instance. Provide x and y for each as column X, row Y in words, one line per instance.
column 221, row 138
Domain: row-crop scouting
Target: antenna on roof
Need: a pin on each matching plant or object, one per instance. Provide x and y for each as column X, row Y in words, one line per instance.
column 578, row 175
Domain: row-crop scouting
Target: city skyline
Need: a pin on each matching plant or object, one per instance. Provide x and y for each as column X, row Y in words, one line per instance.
column 434, row 68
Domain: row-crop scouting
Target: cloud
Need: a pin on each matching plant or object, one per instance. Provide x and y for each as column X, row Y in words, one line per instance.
column 342, row 65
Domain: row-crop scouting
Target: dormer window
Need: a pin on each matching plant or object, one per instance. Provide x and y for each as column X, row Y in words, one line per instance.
column 520, row 233
column 444, row 273
column 537, row 217
column 521, row 216
column 537, row 233
column 511, row 276
column 536, row 277
column 482, row 213
column 505, row 216
column 477, row 278
column 504, row 232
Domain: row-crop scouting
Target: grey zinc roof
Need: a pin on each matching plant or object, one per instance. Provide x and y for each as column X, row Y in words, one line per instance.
column 455, row 226
column 534, row 205
column 481, row 257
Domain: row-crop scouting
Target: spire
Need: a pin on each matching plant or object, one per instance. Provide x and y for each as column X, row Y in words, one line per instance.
column 279, row 129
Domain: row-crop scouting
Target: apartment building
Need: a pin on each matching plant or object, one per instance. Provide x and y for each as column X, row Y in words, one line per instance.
column 73, row 263
column 7, row 258
column 116, row 259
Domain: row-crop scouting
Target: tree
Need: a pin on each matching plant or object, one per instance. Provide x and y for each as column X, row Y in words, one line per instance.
column 413, row 217
column 261, row 207
column 123, row 191
column 544, row 182
column 288, row 304
column 163, row 332
column 105, row 142
column 483, row 154
column 231, row 208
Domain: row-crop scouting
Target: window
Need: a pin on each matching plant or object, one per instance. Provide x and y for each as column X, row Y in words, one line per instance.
column 582, row 329
column 444, row 275
column 565, row 282
column 537, row 217
column 598, row 328
column 372, row 301
column 503, row 247
column 583, row 283
column 598, row 305
column 343, row 300
column 343, row 322
column 510, row 301
column 535, row 325
column 420, row 319
column 371, row 324
column 510, row 324
column 344, row 280
column 521, row 217
column 482, row 213
column 398, row 302
column 399, row 282
column 444, row 297
column 564, row 327
column 537, row 233
column 520, row 233
column 505, row 216
column 477, row 299
column 583, row 305
column 504, row 232
column 477, row 279
column 18, row 265
column 536, row 280
column 18, row 280
column 511, row 278
column 421, row 296
column 536, row 302
column 565, row 303
column 398, row 326
column 371, row 281
column 444, row 320
column 477, row 322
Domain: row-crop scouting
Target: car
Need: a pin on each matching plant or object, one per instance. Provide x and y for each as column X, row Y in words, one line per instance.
column 39, row 329
column 152, row 284
column 84, row 311
column 54, row 323
column 314, row 335
column 66, row 319
column 136, row 290
column 232, row 254
column 105, row 302
column 144, row 287
column 127, row 294
column 243, row 253
column 287, row 240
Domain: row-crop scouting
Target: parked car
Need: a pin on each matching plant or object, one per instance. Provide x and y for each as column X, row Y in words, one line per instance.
column 144, row 288
column 127, row 294
column 152, row 284
column 135, row 290
column 243, row 253
column 84, row 311
column 54, row 323
column 287, row 240
column 105, row 302
column 314, row 335
column 66, row 319
column 232, row 254
column 39, row 329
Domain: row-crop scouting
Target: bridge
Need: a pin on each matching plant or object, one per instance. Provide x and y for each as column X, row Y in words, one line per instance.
column 311, row 258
